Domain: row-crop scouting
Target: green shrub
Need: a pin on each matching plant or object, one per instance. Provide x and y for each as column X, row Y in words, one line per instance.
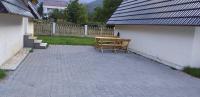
column 2, row 74
column 192, row 71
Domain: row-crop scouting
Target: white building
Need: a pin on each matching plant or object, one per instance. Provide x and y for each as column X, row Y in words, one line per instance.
column 50, row 5
column 15, row 22
column 165, row 31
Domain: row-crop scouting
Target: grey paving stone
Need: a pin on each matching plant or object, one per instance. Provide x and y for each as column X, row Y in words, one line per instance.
column 81, row 71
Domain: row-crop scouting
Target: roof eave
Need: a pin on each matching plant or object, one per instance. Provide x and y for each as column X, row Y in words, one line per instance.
column 2, row 8
column 7, row 11
column 152, row 24
column 33, row 11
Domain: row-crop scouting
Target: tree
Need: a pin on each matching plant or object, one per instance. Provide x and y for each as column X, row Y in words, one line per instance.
column 77, row 12
column 104, row 13
column 58, row 15
column 40, row 9
column 98, row 16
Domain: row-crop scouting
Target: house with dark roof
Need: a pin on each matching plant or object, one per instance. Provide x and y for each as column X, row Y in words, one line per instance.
column 167, row 31
column 16, row 21
column 50, row 5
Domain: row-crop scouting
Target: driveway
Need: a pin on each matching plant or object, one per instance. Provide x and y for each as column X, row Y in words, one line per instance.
column 80, row 71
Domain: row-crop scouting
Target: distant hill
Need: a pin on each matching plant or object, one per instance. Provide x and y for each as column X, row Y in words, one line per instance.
column 91, row 6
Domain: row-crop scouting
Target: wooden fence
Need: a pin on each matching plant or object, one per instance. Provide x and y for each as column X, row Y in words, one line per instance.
column 100, row 31
column 64, row 29
column 44, row 28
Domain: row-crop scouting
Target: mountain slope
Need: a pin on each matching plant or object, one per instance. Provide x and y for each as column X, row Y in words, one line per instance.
column 91, row 6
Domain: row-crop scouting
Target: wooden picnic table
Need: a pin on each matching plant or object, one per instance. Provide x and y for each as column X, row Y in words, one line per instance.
column 112, row 43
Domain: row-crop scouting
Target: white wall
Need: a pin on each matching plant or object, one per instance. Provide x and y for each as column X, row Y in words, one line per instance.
column 30, row 28
column 171, row 45
column 55, row 7
column 46, row 8
column 11, row 36
column 25, row 23
column 196, row 49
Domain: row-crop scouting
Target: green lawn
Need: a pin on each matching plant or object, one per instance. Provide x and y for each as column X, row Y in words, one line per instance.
column 2, row 74
column 67, row 40
column 192, row 71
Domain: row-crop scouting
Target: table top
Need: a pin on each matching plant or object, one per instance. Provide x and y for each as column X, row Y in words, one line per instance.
column 107, row 38
column 112, row 38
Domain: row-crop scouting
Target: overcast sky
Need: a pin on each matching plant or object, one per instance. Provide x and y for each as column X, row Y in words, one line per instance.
column 86, row 1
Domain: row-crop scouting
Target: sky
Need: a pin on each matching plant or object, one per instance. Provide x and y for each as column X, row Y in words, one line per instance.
column 86, row 1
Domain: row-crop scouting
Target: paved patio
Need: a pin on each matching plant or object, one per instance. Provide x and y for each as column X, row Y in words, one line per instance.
column 80, row 71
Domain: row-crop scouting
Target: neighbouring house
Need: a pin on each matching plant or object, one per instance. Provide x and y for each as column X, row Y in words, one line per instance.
column 50, row 5
column 167, row 31
column 16, row 21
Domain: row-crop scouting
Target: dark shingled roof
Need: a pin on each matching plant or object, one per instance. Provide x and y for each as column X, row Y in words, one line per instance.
column 18, row 7
column 157, row 12
column 2, row 8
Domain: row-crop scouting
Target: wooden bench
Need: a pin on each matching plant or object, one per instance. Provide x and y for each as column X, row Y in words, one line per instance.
column 123, row 44
column 111, row 43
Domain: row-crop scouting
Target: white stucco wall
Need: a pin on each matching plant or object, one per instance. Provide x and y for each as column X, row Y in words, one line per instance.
column 196, row 48
column 46, row 8
column 28, row 26
column 11, row 36
column 25, row 24
column 31, row 28
column 171, row 45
